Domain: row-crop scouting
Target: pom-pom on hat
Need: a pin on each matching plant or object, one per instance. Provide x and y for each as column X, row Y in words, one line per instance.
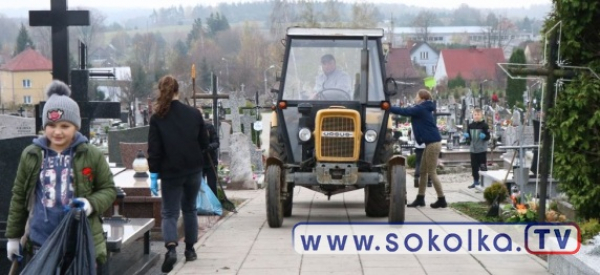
column 59, row 106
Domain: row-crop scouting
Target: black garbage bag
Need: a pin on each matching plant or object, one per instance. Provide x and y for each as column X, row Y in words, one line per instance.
column 494, row 210
column 69, row 250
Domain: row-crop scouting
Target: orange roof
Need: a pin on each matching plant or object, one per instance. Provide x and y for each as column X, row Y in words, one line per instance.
column 28, row 60
column 472, row 63
column 399, row 65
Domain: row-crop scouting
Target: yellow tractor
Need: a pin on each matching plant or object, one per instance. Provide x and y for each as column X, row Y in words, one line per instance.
column 331, row 127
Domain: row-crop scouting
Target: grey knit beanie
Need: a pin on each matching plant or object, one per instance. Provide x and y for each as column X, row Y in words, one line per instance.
column 59, row 106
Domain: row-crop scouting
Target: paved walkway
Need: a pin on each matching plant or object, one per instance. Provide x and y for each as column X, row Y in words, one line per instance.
column 244, row 244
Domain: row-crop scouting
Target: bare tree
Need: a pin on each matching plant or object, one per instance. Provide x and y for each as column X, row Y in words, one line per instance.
column 280, row 18
column 331, row 15
column 121, row 42
column 252, row 55
column 422, row 23
column 308, row 16
column 364, row 15
column 143, row 45
column 42, row 40
column 92, row 35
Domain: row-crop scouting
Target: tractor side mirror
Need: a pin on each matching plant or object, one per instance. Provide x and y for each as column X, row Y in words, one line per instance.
column 391, row 87
column 274, row 91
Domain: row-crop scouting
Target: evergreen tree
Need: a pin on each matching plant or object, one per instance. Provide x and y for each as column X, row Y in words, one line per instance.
column 575, row 119
column 205, row 75
column 195, row 33
column 456, row 82
column 23, row 40
column 216, row 23
column 180, row 48
column 516, row 87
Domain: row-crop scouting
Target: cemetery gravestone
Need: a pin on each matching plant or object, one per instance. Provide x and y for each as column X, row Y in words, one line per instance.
column 240, row 167
column 12, row 126
column 225, row 142
column 9, row 162
column 247, row 119
column 255, row 154
column 133, row 135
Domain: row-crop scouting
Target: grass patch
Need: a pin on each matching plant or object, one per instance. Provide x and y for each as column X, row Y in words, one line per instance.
column 475, row 210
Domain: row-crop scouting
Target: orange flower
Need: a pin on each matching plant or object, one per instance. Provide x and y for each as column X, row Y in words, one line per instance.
column 521, row 209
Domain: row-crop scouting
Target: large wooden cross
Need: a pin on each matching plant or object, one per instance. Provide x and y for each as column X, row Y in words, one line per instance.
column 554, row 71
column 59, row 18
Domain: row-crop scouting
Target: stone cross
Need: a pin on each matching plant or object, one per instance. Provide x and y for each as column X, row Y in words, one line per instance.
column 553, row 71
column 234, row 103
column 247, row 119
column 59, row 18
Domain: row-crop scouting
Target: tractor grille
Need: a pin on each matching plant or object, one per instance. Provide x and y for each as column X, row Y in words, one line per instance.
column 335, row 142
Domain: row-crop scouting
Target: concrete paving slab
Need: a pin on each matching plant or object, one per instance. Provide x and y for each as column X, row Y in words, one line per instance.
column 269, row 261
column 393, row 271
column 244, row 244
column 269, row 271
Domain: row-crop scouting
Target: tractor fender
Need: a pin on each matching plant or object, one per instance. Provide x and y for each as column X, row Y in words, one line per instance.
column 396, row 160
column 273, row 161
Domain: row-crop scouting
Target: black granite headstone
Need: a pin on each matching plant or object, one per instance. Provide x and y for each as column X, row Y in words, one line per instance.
column 9, row 162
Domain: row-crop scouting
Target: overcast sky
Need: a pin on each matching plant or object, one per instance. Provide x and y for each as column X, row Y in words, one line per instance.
column 45, row 4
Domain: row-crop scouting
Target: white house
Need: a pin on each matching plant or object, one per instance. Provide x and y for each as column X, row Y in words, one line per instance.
column 425, row 56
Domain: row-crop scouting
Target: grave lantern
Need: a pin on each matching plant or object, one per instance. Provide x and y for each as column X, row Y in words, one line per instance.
column 140, row 165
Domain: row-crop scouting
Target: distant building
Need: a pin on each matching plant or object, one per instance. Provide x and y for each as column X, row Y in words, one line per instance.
column 407, row 75
column 24, row 78
column 468, row 35
column 112, row 87
column 473, row 65
column 425, row 56
column 534, row 53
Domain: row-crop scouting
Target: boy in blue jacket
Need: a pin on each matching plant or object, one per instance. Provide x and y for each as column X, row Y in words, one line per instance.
column 478, row 134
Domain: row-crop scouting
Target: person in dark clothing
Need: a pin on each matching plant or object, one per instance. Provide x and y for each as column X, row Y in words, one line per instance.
column 425, row 131
column 211, row 158
column 478, row 134
column 176, row 141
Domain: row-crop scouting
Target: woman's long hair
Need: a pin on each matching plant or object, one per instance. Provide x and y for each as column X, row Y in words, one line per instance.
column 167, row 89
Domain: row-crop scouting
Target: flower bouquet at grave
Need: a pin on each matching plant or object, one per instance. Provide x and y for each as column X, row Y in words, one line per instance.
column 521, row 212
column 223, row 173
column 443, row 128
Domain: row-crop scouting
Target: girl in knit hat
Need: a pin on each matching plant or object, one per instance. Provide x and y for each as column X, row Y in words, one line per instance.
column 59, row 170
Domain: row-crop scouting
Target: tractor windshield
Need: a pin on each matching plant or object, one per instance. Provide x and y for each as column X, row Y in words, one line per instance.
column 329, row 70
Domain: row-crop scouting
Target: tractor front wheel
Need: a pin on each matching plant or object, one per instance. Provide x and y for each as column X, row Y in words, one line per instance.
column 397, row 193
column 273, row 196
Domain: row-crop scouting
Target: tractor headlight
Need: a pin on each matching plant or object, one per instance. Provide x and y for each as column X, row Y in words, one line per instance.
column 304, row 134
column 371, row 136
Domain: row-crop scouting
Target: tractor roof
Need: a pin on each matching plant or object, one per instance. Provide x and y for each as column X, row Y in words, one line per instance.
column 328, row 32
